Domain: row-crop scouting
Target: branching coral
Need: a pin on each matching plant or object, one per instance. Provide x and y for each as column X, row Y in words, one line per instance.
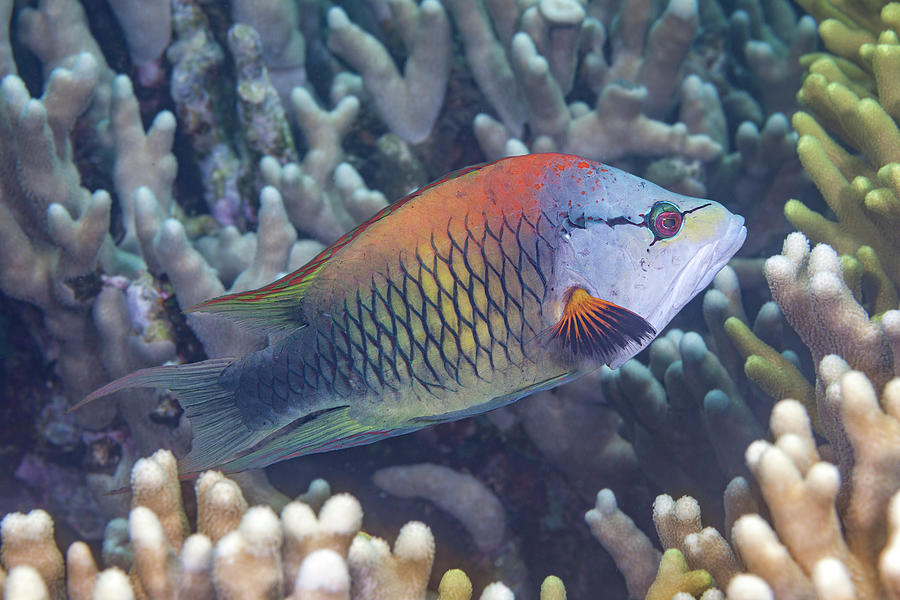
column 850, row 93
column 773, row 39
column 687, row 413
column 831, row 529
column 54, row 228
column 813, row 292
column 409, row 105
column 237, row 552
column 148, row 29
column 537, row 60
column 829, row 532
column 283, row 122
column 819, row 294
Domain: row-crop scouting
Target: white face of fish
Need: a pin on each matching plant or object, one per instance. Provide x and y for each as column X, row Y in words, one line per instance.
column 645, row 249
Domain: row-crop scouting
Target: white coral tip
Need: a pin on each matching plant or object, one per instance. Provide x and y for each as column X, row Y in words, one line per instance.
column 323, row 570
column 414, row 542
column 342, row 513
column 749, row 587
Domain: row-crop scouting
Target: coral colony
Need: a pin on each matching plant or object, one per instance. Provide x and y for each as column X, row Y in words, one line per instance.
column 156, row 154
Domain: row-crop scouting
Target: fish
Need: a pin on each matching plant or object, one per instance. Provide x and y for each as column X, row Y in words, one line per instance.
column 468, row 294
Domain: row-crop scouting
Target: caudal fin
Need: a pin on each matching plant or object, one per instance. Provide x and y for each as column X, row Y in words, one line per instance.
column 176, row 378
column 219, row 430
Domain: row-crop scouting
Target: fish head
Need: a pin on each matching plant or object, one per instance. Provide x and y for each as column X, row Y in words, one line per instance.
column 631, row 243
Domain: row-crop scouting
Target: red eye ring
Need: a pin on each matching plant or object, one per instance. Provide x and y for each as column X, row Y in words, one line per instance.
column 665, row 220
column 668, row 223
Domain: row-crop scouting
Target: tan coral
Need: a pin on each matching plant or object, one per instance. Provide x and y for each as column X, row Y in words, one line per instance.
column 322, row 576
column 889, row 560
column 254, row 551
column 220, row 505
column 874, row 433
column 675, row 520
column 154, row 559
column 338, row 523
column 709, row 549
column 403, row 574
column 679, row 527
column 631, row 549
column 25, row 583
column 154, row 484
column 195, row 563
column 767, row 558
column 257, row 555
column 112, row 584
column 81, row 572
column 810, row 289
column 832, row 531
column 28, row 540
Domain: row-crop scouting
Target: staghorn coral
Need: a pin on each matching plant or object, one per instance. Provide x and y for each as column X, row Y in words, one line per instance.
column 237, row 552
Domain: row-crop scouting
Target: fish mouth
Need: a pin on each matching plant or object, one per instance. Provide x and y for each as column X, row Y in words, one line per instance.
column 709, row 261
column 732, row 240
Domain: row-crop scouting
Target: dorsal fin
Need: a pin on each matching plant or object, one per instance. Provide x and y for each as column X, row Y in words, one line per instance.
column 276, row 306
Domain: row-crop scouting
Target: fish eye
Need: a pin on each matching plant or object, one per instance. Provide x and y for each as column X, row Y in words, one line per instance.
column 664, row 220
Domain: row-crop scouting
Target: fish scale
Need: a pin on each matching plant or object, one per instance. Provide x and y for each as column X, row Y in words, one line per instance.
column 468, row 294
column 455, row 317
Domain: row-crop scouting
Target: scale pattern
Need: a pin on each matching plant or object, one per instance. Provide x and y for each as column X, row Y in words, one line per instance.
column 465, row 306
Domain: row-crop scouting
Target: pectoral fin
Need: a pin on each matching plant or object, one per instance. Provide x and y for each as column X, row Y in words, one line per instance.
column 595, row 328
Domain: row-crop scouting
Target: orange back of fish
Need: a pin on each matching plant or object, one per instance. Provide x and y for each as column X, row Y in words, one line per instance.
column 440, row 299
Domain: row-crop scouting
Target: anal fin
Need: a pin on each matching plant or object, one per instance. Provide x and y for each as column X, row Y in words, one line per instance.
column 323, row 431
column 497, row 401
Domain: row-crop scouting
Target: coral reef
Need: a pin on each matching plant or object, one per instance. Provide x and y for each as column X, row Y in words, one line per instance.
column 236, row 551
column 155, row 154
column 691, row 410
column 848, row 140
column 830, row 529
column 821, row 523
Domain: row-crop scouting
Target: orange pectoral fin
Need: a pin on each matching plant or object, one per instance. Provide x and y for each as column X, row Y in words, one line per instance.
column 594, row 328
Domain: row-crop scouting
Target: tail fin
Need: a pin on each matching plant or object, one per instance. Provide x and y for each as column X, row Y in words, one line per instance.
column 196, row 376
column 219, row 429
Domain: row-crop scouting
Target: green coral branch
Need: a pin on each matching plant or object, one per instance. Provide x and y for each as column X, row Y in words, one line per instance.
column 674, row 577
column 771, row 371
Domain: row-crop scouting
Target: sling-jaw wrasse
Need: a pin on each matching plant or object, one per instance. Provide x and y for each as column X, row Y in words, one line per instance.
column 467, row 295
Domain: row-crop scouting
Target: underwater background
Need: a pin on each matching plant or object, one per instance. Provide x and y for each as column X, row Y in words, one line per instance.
column 157, row 153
